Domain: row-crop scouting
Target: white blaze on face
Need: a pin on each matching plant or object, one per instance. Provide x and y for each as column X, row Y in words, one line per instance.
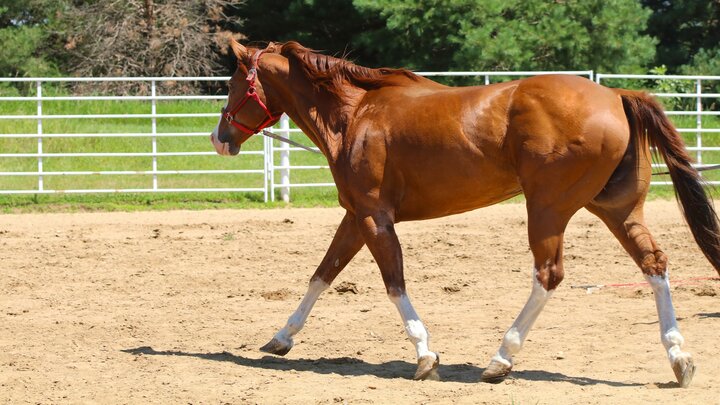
column 220, row 147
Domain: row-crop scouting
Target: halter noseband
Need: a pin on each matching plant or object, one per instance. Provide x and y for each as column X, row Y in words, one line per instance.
column 251, row 94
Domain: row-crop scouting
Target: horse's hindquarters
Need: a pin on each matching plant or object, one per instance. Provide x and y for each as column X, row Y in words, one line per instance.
column 568, row 135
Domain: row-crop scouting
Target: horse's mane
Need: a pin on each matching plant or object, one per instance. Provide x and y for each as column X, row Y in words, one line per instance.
column 334, row 74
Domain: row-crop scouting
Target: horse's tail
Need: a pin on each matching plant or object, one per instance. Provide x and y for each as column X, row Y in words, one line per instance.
column 647, row 120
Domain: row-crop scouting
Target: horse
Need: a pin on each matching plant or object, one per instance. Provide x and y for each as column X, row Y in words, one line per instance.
column 401, row 147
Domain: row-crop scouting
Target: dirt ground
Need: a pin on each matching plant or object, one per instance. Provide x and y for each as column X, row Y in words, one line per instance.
column 171, row 307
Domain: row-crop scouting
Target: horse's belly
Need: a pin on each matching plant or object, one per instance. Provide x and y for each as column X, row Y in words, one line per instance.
column 444, row 192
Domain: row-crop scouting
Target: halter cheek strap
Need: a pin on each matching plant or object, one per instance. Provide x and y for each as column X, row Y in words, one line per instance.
column 251, row 94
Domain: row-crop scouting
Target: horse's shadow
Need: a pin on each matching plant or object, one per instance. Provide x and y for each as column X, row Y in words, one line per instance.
column 349, row 366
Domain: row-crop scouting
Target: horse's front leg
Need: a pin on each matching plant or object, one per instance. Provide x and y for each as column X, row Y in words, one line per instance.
column 346, row 243
column 379, row 233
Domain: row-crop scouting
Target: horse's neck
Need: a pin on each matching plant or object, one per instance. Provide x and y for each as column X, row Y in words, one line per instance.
column 322, row 118
column 321, row 115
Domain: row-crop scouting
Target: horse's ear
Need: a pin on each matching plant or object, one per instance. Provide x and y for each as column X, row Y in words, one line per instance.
column 238, row 49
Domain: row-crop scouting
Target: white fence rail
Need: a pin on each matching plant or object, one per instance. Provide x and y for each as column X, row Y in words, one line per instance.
column 154, row 153
column 264, row 167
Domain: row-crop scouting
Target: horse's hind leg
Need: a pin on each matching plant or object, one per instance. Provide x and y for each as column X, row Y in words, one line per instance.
column 546, row 228
column 625, row 220
column 346, row 243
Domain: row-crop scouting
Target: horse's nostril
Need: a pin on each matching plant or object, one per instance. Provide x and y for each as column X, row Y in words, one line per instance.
column 223, row 138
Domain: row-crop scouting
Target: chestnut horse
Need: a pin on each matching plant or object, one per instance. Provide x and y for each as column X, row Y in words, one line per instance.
column 401, row 147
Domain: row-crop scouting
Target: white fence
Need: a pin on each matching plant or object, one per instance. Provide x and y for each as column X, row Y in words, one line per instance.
column 260, row 162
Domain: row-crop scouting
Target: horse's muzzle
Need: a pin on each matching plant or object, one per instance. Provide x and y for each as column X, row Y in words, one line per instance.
column 224, row 138
column 222, row 146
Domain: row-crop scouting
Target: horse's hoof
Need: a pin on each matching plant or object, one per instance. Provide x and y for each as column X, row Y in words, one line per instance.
column 427, row 368
column 276, row 347
column 495, row 372
column 684, row 369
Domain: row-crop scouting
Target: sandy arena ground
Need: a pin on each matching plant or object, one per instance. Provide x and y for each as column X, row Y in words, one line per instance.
column 171, row 307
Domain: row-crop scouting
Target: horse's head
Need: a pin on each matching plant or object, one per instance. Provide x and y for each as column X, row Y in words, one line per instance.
column 248, row 110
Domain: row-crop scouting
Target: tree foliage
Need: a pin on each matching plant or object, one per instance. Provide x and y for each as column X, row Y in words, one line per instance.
column 703, row 63
column 25, row 38
column 511, row 34
column 328, row 25
column 688, row 32
column 188, row 37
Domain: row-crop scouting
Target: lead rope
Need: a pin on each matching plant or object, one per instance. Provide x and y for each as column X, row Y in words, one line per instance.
column 699, row 169
column 283, row 139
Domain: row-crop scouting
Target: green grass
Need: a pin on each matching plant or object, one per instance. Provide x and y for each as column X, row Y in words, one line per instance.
column 305, row 197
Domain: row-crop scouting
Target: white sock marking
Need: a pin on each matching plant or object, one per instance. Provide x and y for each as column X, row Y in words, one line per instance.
column 414, row 327
column 515, row 336
column 669, row 332
column 297, row 320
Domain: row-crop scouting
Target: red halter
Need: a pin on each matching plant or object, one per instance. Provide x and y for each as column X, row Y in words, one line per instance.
column 251, row 94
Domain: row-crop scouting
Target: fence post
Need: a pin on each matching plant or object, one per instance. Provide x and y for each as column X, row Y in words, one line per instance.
column 270, row 168
column 698, row 122
column 267, row 150
column 41, row 186
column 285, row 159
column 154, row 134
